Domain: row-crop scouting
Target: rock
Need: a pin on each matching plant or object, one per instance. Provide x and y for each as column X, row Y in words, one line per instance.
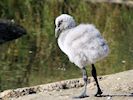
column 115, row 87
column 5, row 94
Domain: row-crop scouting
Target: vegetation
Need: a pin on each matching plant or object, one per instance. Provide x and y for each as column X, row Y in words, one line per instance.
column 36, row 58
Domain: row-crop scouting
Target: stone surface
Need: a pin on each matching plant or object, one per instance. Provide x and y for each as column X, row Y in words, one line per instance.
column 115, row 87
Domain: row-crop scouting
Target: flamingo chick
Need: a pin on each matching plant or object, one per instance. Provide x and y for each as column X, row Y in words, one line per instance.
column 83, row 44
column 9, row 30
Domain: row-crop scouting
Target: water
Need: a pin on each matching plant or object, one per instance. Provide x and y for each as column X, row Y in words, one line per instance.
column 36, row 59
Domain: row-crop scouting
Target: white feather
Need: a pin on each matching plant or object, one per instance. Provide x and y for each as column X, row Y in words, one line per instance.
column 83, row 44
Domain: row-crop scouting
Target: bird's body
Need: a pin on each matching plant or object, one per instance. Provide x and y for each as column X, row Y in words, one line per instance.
column 9, row 30
column 83, row 44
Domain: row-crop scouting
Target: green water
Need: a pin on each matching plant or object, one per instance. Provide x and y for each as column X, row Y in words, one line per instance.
column 36, row 59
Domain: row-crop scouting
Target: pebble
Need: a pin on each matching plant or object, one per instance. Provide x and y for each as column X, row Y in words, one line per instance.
column 109, row 98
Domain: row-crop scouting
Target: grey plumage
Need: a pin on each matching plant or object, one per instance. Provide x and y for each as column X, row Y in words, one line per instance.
column 83, row 44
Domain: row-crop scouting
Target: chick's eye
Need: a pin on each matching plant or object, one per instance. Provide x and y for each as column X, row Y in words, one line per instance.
column 60, row 22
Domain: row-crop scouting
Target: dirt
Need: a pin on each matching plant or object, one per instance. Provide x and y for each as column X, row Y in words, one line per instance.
column 117, row 86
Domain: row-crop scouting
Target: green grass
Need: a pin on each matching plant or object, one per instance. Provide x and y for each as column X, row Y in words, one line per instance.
column 36, row 59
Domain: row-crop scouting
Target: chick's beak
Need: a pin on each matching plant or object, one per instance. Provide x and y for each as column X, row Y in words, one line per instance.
column 57, row 31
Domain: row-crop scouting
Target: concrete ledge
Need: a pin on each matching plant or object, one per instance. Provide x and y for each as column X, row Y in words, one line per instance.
column 66, row 84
